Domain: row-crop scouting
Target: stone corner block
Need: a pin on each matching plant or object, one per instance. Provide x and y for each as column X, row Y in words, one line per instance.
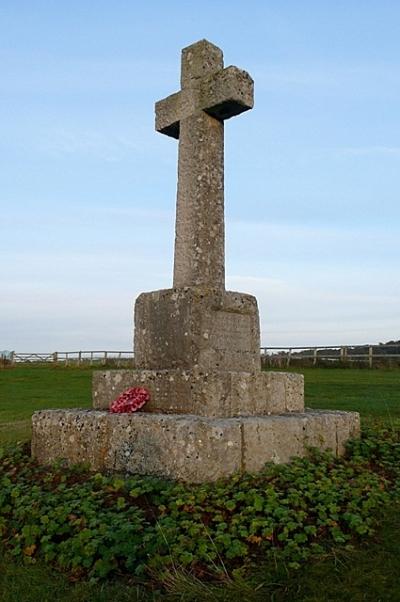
column 280, row 438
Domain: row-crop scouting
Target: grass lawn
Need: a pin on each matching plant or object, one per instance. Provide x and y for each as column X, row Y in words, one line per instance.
column 370, row 573
column 25, row 388
column 373, row 393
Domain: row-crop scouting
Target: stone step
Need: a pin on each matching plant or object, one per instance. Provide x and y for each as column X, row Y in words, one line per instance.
column 212, row 394
column 185, row 447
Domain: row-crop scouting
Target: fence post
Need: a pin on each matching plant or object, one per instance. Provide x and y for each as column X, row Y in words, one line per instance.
column 370, row 355
column 288, row 358
column 12, row 358
column 66, row 358
column 91, row 358
column 55, row 357
column 315, row 357
column 105, row 358
column 79, row 358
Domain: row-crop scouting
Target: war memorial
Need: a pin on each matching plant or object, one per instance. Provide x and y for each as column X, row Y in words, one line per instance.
column 212, row 410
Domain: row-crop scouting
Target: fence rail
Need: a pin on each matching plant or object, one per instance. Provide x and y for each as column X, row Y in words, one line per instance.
column 270, row 356
column 73, row 357
column 369, row 354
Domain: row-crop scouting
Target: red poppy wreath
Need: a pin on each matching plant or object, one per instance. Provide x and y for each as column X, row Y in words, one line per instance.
column 130, row 401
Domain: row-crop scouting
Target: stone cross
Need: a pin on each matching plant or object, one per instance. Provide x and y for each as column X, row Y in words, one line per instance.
column 209, row 95
column 212, row 411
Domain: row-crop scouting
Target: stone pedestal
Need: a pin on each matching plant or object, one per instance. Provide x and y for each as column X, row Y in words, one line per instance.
column 185, row 447
column 197, row 329
column 198, row 352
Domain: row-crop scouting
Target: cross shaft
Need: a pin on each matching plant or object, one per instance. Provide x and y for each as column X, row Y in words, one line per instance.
column 195, row 115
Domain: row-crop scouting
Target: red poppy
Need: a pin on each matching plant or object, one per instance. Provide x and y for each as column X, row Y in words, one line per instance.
column 130, row 401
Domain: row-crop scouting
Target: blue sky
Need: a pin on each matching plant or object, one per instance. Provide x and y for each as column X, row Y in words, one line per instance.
column 87, row 187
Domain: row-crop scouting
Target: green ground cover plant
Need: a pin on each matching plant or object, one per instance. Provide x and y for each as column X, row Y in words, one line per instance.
column 367, row 573
column 97, row 525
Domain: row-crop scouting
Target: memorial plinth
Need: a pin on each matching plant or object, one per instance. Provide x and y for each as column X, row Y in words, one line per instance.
column 212, row 411
column 186, row 447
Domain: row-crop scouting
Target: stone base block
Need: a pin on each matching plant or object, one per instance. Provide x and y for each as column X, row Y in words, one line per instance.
column 214, row 394
column 184, row 447
column 196, row 327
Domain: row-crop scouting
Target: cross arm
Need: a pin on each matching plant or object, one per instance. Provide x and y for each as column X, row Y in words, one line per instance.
column 227, row 93
column 222, row 95
column 168, row 115
column 175, row 107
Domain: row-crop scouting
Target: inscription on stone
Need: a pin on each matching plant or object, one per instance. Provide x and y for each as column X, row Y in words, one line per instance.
column 231, row 332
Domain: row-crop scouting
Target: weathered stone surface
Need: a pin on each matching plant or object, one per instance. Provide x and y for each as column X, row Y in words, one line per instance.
column 184, row 447
column 214, row 394
column 222, row 95
column 226, row 94
column 170, row 446
column 195, row 115
column 80, row 436
column 279, row 438
column 199, row 59
column 196, row 329
column 178, row 447
column 199, row 258
column 347, row 427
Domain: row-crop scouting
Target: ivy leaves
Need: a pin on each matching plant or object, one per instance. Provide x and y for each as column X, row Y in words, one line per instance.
column 97, row 525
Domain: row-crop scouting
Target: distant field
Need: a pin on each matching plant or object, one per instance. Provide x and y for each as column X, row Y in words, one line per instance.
column 24, row 389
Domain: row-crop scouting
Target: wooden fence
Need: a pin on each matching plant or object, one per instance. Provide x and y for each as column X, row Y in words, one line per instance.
column 368, row 355
column 74, row 357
